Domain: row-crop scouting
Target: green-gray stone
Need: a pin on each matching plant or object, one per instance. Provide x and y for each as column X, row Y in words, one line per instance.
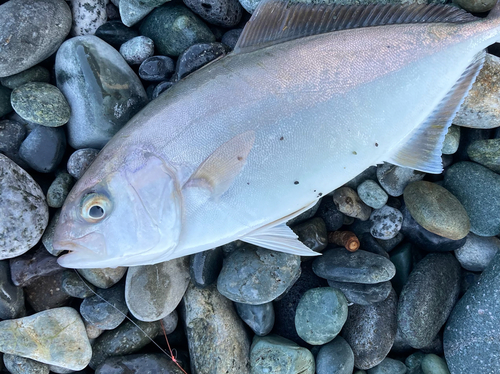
column 48, row 235
column 471, row 340
column 56, row 337
column 359, row 372
column 335, row 357
column 486, row 152
column 5, row 106
column 476, row 188
column 320, row 315
column 451, row 140
column 59, row 189
column 312, row 233
column 174, row 28
column 372, row 194
column 436, row 210
column 414, row 361
column 21, row 365
column 433, row 364
column 277, row 355
column 401, row 257
column 363, row 294
column 75, row 286
column 34, row 74
column 388, row 366
column 476, row 6
column 41, row 103
column 132, row 11
column 105, row 277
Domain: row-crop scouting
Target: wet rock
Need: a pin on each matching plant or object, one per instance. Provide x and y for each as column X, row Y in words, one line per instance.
column 43, row 149
column 106, row 310
column 80, row 160
column 115, row 33
column 225, row 13
column 160, row 88
column 386, row 221
column 88, row 15
column 59, row 189
column 348, row 202
column 204, row 267
column 12, row 135
column 477, row 252
column 140, row 363
column 363, row 294
column 138, row 49
column 394, row 179
column 47, row 292
column 196, row 56
column 335, row 357
column 260, row 318
column 34, row 74
column 21, row 365
column 11, row 296
column 27, row 268
column 486, row 152
column 170, row 322
column 103, row 278
column 403, row 259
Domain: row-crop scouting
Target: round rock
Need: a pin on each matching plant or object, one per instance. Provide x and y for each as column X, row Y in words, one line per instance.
column 196, row 56
column 156, row 68
column 106, row 310
column 387, row 222
column 115, row 33
column 335, row 357
column 204, row 267
column 103, row 278
column 138, row 49
column 59, row 189
column 88, row 15
column 140, row 363
column 486, row 152
column 372, row 194
column 312, row 233
column 348, row 202
column 21, row 365
column 363, row 294
column 80, row 160
column 260, row 318
column 230, row 38
column 389, row 366
column 477, row 252
column 394, row 179
column 12, row 135
column 225, row 13
column 451, row 140
column 433, row 364
column 43, row 149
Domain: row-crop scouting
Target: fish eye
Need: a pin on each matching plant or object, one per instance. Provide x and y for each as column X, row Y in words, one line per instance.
column 95, row 207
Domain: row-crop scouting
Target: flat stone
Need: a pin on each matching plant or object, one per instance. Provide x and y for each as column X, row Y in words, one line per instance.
column 477, row 252
column 348, row 202
column 394, row 179
column 451, row 140
column 35, row 74
column 363, row 294
column 43, row 149
column 11, row 296
column 21, row 365
column 80, row 160
column 386, row 222
column 88, row 16
column 225, row 13
column 260, row 318
column 335, row 357
column 107, row 309
column 139, row 363
column 486, row 152
column 55, row 337
column 204, row 267
column 30, row 266
column 389, row 366
column 105, row 277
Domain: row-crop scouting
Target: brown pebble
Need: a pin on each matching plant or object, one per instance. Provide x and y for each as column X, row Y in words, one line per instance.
column 346, row 239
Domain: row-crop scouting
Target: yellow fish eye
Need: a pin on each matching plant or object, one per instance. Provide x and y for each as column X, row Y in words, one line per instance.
column 95, row 207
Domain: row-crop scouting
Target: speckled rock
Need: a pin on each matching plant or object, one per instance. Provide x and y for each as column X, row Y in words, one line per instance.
column 433, row 364
column 106, row 310
column 389, row 366
column 274, row 354
column 394, row 179
column 156, row 68
column 214, row 330
column 225, row 13
column 156, row 363
column 132, row 11
column 59, row 189
column 154, row 291
column 75, row 286
column 48, row 235
column 43, row 149
column 34, row 30
column 24, row 210
column 363, row 294
column 30, row 266
column 103, row 278
column 47, row 292
column 11, row 296
column 196, row 56
column 451, row 140
column 35, row 74
column 115, row 33
column 80, row 160
column 312, row 233
column 137, row 49
column 477, row 252
column 386, row 222
column 254, row 275
column 486, row 152
column 348, row 202
column 335, row 357
column 372, row 194
column 55, row 337
column 260, row 318
column 21, row 365
column 88, row 15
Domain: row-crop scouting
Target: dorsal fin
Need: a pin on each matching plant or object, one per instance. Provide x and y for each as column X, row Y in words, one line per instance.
column 278, row 21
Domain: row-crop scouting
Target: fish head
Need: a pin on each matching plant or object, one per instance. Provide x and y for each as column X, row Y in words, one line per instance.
column 120, row 213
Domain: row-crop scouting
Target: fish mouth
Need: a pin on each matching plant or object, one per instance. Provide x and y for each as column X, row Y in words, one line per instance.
column 78, row 256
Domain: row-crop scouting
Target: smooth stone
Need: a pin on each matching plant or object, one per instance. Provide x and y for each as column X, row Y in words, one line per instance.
column 477, row 252
column 467, row 280
column 370, row 331
column 363, row 294
column 30, row 266
column 24, row 210
column 428, row 297
column 320, row 315
column 204, row 267
column 127, row 338
column 5, row 104
column 12, row 135
column 433, row 364
column 174, row 28
column 387, row 222
column 43, row 149
column 47, row 292
column 115, row 33
column 312, row 233
column 474, row 185
column 348, row 202
column 372, row 194
column 389, row 366
column 254, row 275
column 451, row 140
column 333, row 218
column 340, row 265
column 403, row 260
column 55, row 337
column 11, row 296
column 107, row 309
column 33, row 29
column 40, row 103
column 35, row 74
column 59, row 189
column 304, row 216
column 225, row 13
column 160, row 88
column 169, row 323
column 260, row 318
column 230, row 38
column 468, row 136
column 476, row 6
column 101, row 88
column 103, row 278
column 480, row 107
column 369, row 244
column 250, row 5
column 139, row 363
column 48, row 235
column 88, row 16
column 214, row 329
column 137, row 49
column 486, row 152
column 196, row 56
column 75, row 286
column 471, row 340
column 414, row 361
column 92, row 331
column 132, row 11
column 394, row 179
column 335, row 357
column 156, row 68
column 21, row 365
column 154, row 291
column 80, row 160
column 277, row 355
column 389, row 244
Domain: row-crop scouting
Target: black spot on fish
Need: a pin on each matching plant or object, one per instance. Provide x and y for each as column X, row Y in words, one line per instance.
column 296, row 182
column 282, row 138
column 240, row 158
column 376, row 144
column 320, row 194
column 354, row 152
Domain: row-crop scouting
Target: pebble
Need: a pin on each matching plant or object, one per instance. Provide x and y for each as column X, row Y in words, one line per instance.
column 403, row 259
column 477, row 252
column 335, row 357
column 370, row 331
column 204, row 267
column 389, row 366
column 35, row 74
column 43, row 149
column 34, row 30
column 250, row 5
column 277, row 355
column 394, row 179
column 47, row 292
column 480, row 107
column 156, row 68
column 225, row 13
column 132, row 11
column 5, row 104
column 451, row 140
column 12, row 135
column 48, row 235
column 471, row 340
column 428, row 297
column 115, row 33
column 106, row 310
column 363, row 294
column 92, row 331
column 75, row 286
column 174, row 28
column 59, row 189
column 340, row 265
column 140, row 363
column 154, row 291
column 436, row 210
column 196, row 56
column 372, row 194
column 88, row 15
column 260, row 318
column 370, row 244
column 474, row 185
column 333, row 218
column 389, row 244
column 101, row 88
column 414, row 361
column 312, row 233
column 348, row 202
column 476, row 6
column 433, row 364
column 80, row 160
column 11, row 296
column 230, row 38
column 214, row 330
column 24, row 210
column 103, row 278
column 386, row 222
column 42, row 336
column 170, row 322
column 486, row 152
column 254, row 275
column 160, row 88
column 21, row 365
column 137, row 49
column 320, row 315
column 30, row 266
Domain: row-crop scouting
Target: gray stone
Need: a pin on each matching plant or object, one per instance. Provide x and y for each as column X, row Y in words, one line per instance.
column 154, row 291
column 24, row 210
column 55, row 337
column 387, row 222
column 477, row 252
column 30, row 266
column 389, row 366
column 433, row 364
column 250, row 5
column 5, row 105
column 436, row 210
column 75, row 286
column 156, row 68
column 340, row 265
column 21, row 365
column 169, row 323
column 230, row 37
column 254, row 275
column 140, row 363
column 348, row 202
column 214, row 330
column 47, row 292
column 414, row 361
column 394, row 179
column 204, row 267
column 107, row 309
column 43, row 149
column 277, row 355
column 428, row 297
column 451, row 140
column 137, row 49
column 320, row 315
column 93, row 332
column 132, row 11
column 101, row 88
column 225, row 13
column 12, row 135
column 335, row 357
column 80, row 160
column 260, row 318
column 403, row 260
column 486, row 152
column 32, row 31
column 35, row 74
column 115, row 33
column 59, row 189
column 312, row 233
column 11, row 296
column 370, row 331
column 88, row 15
column 197, row 55
column 48, row 235
column 372, row 194
column 105, row 277
column 363, row 294
column 474, row 186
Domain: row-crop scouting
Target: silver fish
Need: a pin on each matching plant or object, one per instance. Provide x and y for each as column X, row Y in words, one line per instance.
column 311, row 96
